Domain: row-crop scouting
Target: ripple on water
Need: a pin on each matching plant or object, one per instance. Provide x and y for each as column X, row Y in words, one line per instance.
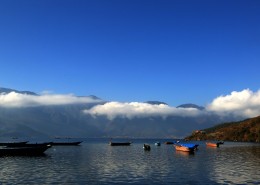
column 99, row 163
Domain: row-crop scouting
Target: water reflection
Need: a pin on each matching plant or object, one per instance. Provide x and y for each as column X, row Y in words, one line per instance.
column 99, row 163
column 123, row 164
column 237, row 165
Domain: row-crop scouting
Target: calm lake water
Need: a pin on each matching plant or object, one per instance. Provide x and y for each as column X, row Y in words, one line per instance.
column 95, row 162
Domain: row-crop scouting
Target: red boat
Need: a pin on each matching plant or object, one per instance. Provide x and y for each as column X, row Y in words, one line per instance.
column 210, row 144
column 183, row 148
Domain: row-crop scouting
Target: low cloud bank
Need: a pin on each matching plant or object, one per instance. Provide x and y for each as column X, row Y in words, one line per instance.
column 14, row 99
column 244, row 103
column 136, row 109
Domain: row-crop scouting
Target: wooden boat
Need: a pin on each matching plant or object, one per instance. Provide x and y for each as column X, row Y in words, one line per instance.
column 185, row 147
column 119, row 143
column 75, row 143
column 13, row 143
column 168, row 143
column 146, row 147
column 24, row 151
column 28, row 144
column 211, row 144
column 157, row 144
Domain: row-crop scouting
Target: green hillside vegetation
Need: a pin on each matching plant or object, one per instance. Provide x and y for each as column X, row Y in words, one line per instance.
column 247, row 131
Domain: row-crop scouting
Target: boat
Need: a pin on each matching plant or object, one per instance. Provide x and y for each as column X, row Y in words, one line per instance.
column 23, row 151
column 119, row 143
column 25, row 144
column 168, row 143
column 185, row 147
column 13, row 143
column 75, row 143
column 157, row 143
column 147, row 147
column 211, row 144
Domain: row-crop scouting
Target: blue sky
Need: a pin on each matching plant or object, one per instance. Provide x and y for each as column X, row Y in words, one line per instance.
column 176, row 51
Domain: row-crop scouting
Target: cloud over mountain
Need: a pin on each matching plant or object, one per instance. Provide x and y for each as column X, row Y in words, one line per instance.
column 14, row 99
column 245, row 103
column 137, row 109
column 90, row 116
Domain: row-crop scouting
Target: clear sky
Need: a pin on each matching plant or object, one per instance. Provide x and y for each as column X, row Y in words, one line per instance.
column 176, row 51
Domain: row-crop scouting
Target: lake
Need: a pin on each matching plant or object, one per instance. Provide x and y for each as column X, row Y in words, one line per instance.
column 95, row 162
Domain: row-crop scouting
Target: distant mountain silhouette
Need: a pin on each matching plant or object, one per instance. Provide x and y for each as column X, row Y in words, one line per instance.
column 69, row 120
column 155, row 102
column 190, row 105
column 7, row 90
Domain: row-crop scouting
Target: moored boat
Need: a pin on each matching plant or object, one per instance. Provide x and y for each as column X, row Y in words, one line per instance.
column 168, row 143
column 28, row 144
column 185, row 147
column 119, row 143
column 157, row 143
column 75, row 143
column 24, row 151
column 211, row 144
column 147, row 147
column 18, row 143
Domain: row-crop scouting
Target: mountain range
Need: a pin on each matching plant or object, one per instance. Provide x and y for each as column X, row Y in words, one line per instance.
column 69, row 119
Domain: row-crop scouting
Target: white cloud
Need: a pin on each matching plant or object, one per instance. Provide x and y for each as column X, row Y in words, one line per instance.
column 14, row 99
column 137, row 109
column 244, row 103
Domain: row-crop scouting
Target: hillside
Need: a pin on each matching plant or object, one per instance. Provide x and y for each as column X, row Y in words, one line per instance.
column 247, row 130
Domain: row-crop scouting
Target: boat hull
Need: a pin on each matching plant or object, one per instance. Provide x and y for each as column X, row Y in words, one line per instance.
column 157, row 144
column 212, row 144
column 24, row 151
column 11, row 144
column 119, row 144
column 183, row 148
column 146, row 147
column 66, row 143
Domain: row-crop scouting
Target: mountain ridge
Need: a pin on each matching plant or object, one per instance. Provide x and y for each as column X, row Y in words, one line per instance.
column 71, row 120
column 8, row 90
column 247, row 130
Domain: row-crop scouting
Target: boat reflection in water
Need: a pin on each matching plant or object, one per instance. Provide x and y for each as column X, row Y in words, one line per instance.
column 97, row 163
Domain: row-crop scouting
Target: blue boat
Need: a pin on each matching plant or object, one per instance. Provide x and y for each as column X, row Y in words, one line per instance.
column 188, row 146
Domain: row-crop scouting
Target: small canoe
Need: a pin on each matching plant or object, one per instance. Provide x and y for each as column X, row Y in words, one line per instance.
column 28, row 144
column 168, row 143
column 66, row 143
column 146, row 147
column 210, row 144
column 13, row 143
column 183, row 148
column 119, row 143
